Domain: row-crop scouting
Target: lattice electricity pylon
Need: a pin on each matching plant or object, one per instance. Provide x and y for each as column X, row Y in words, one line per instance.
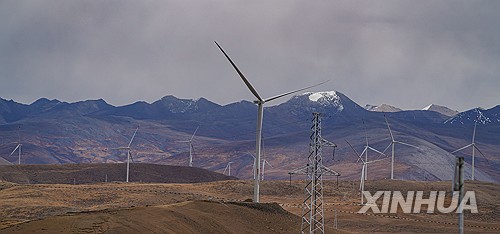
column 312, row 212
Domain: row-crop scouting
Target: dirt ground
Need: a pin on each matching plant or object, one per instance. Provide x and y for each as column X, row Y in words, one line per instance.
column 215, row 207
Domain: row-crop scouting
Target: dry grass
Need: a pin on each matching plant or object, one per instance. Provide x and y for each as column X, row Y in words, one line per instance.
column 136, row 207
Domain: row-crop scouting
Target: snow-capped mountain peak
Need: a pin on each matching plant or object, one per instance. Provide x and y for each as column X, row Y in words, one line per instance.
column 382, row 108
column 318, row 95
column 476, row 115
column 327, row 98
column 427, row 107
column 441, row 109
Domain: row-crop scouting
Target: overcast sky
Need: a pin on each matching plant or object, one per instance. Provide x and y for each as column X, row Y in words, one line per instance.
column 403, row 53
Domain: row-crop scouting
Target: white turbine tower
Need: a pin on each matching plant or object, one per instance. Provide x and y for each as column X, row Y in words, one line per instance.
column 260, row 103
column 191, row 149
column 363, row 170
column 228, row 168
column 129, row 153
column 393, row 143
column 473, row 146
column 264, row 162
column 365, row 152
column 18, row 146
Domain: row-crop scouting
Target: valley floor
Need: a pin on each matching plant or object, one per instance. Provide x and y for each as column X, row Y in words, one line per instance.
column 217, row 207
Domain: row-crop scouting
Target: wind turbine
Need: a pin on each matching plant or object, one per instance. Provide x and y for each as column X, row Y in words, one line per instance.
column 228, row 167
column 260, row 115
column 393, row 143
column 264, row 162
column 365, row 151
column 473, row 145
column 191, row 149
column 129, row 153
column 18, row 146
column 363, row 169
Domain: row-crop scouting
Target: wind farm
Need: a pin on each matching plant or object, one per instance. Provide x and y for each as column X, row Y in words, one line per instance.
column 249, row 117
column 225, row 165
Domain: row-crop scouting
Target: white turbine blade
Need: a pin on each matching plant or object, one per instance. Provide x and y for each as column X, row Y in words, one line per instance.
column 251, row 155
column 403, row 143
column 389, row 127
column 386, row 148
column 17, row 147
column 194, row 133
column 359, row 156
column 292, row 92
column 369, row 147
column 352, row 148
column 467, row 146
column 269, row 164
column 474, row 133
column 247, row 83
column 131, row 139
column 480, row 152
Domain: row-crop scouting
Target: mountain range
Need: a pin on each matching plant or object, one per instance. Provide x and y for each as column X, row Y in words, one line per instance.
column 56, row 132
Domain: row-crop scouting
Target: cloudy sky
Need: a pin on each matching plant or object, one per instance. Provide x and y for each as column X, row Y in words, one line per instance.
column 403, row 53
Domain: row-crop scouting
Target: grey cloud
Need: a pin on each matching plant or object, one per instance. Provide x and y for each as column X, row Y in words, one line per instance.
column 404, row 53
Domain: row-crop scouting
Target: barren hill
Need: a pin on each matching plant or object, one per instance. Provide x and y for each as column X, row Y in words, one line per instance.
column 184, row 217
column 95, row 173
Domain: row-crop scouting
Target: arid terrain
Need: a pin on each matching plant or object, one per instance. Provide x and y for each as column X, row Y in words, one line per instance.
column 220, row 207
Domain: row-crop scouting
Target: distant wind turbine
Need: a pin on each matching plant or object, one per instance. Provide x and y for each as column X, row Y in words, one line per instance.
column 191, row 149
column 253, row 166
column 129, row 152
column 363, row 170
column 18, row 146
column 264, row 162
column 228, row 168
column 393, row 143
column 260, row 103
column 473, row 146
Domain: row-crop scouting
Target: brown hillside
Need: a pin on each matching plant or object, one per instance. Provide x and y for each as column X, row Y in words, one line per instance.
column 150, row 208
column 185, row 217
column 96, row 173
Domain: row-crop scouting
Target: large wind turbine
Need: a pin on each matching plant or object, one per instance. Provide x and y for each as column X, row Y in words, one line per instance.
column 18, row 146
column 363, row 169
column 393, row 143
column 260, row 103
column 190, row 142
column 473, row 145
column 129, row 153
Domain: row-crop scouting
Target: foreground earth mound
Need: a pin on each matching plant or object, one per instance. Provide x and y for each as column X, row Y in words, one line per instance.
column 184, row 217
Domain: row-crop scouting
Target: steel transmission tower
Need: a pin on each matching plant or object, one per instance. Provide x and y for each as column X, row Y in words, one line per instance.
column 312, row 212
